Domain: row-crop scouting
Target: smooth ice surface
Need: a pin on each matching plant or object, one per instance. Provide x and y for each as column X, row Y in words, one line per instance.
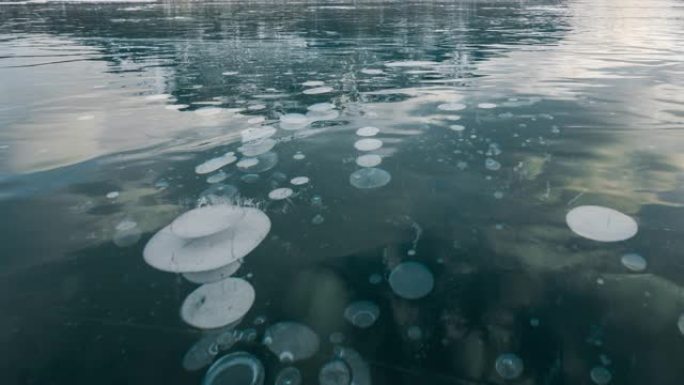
column 291, row 341
column 411, row 280
column 601, row 224
column 217, row 304
column 368, row 178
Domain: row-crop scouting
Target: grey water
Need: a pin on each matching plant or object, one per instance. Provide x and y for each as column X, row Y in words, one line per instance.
column 490, row 122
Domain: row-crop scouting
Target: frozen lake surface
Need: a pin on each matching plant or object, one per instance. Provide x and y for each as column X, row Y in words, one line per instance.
column 342, row 192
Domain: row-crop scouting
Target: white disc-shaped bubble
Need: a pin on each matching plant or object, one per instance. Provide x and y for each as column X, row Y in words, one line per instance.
column 451, row 107
column 634, row 262
column 335, row 372
column 509, row 366
column 486, row 106
column 368, row 144
column 299, row 180
column 239, row 368
column 215, row 275
column 112, row 195
column 321, row 107
column 370, row 177
column 313, row 83
column 168, row 252
column 246, row 163
column 257, row 147
column 280, row 193
column 217, row 177
column 360, row 371
column 317, row 90
column 257, row 133
column 291, row 341
column 457, row 127
column 372, row 71
column 217, row 304
column 258, row 164
column 600, row 375
column 362, row 314
column 214, row 164
column 601, row 224
column 369, row 160
column 293, row 121
column 367, row 131
column 411, row 280
column 204, row 221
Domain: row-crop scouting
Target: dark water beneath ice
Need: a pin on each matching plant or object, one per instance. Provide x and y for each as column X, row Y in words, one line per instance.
column 564, row 103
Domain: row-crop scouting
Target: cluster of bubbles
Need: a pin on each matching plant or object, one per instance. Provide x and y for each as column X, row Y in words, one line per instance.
column 369, row 176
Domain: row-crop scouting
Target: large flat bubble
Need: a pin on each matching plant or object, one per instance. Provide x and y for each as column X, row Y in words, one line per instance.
column 318, row 90
column 214, row 164
column 411, row 280
column 368, row 160
column 291, row 341
column 360, row 371
column 634, row 262
column 218, row 304
column 601, row 224
column 205, row 221
column 239, row 368
column 371, row 177
column 257, row 147
column 214, row 275
column 369, row 144
column 335, row 372
column 168, row 252
column 260, row 163
column 367, row 131
column 362, row 314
